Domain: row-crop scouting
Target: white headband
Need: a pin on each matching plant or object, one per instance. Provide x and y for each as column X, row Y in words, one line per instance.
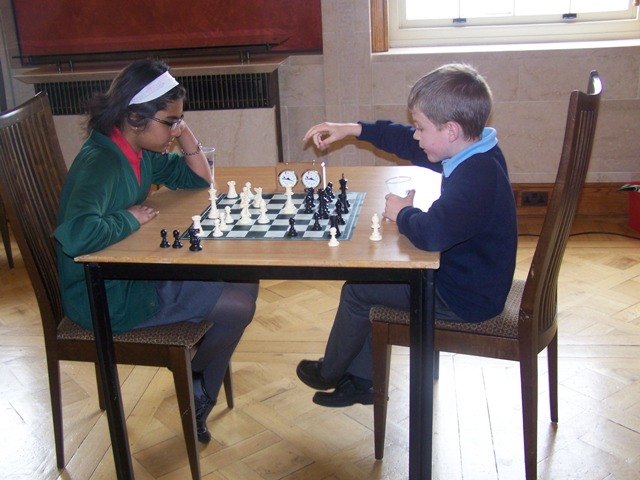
column 155, row 89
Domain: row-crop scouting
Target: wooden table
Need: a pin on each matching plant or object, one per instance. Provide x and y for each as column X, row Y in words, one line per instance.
column 393, row 258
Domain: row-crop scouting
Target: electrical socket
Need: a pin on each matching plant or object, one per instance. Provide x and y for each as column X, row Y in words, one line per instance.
column 534, row 199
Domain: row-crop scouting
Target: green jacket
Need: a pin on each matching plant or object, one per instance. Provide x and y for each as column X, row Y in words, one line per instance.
column 99, row 188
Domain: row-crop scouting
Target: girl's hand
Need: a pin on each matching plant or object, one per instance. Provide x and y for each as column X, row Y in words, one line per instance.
column 143, row 213
column 394, row 204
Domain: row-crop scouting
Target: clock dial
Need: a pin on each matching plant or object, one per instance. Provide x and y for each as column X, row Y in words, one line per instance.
column 287, row 178
column 311, row 178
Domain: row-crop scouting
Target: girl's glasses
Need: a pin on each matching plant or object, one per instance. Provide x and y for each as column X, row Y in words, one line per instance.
column 171, row 125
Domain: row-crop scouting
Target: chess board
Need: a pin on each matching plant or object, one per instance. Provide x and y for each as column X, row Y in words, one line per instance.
column 278, row 224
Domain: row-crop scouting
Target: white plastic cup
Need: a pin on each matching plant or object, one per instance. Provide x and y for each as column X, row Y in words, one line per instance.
column 210, row 153
column 400, row 186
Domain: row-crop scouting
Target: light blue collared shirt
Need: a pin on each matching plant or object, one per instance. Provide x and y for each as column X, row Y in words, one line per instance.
column 487, row 142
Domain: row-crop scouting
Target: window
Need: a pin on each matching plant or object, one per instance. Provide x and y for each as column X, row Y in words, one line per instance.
column 467, row 22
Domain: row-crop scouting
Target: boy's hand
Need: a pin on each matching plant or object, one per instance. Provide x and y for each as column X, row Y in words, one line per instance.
column 143, row 213
column 326, row 133
column 394, row 204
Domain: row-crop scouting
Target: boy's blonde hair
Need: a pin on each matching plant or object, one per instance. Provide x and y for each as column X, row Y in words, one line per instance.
column 454, row 92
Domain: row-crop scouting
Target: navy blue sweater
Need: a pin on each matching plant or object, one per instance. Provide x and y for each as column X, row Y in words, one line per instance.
column 473, row 223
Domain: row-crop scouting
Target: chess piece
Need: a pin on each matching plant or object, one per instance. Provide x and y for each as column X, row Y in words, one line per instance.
column 333, row 223
column 213, row 211
column 375, row 225
column 292, row 228
column 245, row 216
column 196, row 223
column 316, row 222
column 289, row 207
column 165, row 242
column 333, row 242
column 217, row 231
column 257, row 199
column 232, row 189
column 223, row 222
column 227, row 215
column 194, row 239
column 263, row 219
column 176, row 242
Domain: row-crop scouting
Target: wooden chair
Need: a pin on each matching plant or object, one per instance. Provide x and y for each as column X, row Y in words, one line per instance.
column 32, row 172
column 528, row 323
column 4, row 233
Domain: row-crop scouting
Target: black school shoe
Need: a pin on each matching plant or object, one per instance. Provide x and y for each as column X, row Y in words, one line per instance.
column 308, row 372
column 203, row 406
column 349, row 391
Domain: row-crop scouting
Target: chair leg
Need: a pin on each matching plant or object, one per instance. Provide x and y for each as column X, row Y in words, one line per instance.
column 4, row 233
column 228, row 387
column 381, row 353
column 552, row 361
column 181, row 368
column 55, row 391
column 101, row 402
column 529, row 392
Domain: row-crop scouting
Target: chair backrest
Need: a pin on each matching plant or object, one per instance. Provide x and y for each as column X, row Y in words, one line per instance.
column 539, row 300
column 32, row 171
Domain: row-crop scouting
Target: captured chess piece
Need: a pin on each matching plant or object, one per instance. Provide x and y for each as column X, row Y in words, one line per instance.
column 176, row 242
column 194, row 239
column 164, row 243
column 375, row 225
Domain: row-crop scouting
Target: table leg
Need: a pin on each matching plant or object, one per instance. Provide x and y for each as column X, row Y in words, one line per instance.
column 421, row 375
column 108, row 371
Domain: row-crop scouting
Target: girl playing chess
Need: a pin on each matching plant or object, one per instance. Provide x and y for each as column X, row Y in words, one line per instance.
column 131, row 129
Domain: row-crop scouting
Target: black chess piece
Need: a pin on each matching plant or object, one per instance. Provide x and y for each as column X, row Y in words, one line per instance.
column 292, row 228
column 165, row 242
column 323, row 209
column 176, row 242
column 194, row 239
column 316, row 222
column 333, row 223
column 329, row 191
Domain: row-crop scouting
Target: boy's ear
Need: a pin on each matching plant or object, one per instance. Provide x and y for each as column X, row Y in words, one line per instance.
column 454, row 130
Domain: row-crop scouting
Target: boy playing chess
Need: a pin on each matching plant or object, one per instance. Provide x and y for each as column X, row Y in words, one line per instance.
column 473, row 224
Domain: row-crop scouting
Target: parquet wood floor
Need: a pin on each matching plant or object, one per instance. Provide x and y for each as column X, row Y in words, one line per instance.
column 276, row 432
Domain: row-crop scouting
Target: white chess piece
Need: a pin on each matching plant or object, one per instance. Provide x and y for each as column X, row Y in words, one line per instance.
column 245, row 216
column 375, row 225
column 334, row 241
column 217, row 232
column 223, row 221
column 289, row 207
column 227, row 217
column 196, row 223
column 247, row 188
column 232, row 189
column 263, row 219
column 257, row 200
column 213, row 211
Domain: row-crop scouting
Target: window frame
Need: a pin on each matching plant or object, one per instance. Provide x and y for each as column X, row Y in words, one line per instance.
column 403, row 33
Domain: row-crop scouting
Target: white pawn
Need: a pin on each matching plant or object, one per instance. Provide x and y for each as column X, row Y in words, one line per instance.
column 217, row 232
column 257, row 200
column 232, row 189
column 223, row 221
column 227, row 217
column 196, row 224
column 334, row 241
column 375, row 225
column 263, row 219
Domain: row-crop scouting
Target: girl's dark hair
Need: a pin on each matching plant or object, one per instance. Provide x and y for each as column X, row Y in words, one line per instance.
column 111, row 108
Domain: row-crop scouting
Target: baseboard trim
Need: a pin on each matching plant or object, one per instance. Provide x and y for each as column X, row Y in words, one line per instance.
column 598, row 199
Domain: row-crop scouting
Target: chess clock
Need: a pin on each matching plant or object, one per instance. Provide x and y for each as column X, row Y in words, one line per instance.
column 298, row 175
column 311, row 178
column 288, row 178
